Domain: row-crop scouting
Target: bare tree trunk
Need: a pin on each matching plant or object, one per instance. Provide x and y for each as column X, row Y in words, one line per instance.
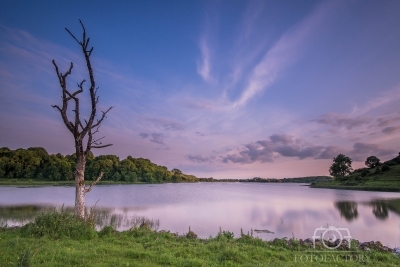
column 78, row 127
column 80, row 187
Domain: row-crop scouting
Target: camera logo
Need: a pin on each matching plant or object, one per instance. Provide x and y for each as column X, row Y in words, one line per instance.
column 336, row 236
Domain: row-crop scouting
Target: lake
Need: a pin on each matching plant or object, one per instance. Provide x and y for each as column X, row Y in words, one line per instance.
column 286, row 209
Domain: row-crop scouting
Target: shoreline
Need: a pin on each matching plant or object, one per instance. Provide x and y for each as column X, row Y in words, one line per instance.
column 42, row 183
column 357, row 188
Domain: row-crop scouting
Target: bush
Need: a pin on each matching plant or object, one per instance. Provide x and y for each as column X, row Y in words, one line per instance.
column 364, row 172
column 358, row 177
column 225, row 234
column 385, row 167
column 60, row 224
column 107, row 231
column 377, row 170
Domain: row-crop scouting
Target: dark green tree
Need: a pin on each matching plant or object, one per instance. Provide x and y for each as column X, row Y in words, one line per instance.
column 341, row 166
column 372, row 162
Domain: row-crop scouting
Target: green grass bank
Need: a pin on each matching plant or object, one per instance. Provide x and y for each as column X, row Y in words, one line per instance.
column 373, row 179
column 58, row 239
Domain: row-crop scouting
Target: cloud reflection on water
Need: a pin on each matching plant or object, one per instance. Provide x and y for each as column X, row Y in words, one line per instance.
column 285, row 209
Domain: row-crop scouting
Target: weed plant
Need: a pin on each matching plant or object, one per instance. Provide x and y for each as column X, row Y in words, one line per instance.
column 60, row 239
column 61, row 224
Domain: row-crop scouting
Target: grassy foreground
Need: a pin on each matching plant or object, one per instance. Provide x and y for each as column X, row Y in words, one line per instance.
column 58, row 239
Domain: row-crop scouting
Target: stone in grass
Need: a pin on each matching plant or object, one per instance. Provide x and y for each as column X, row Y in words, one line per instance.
column 366, row 246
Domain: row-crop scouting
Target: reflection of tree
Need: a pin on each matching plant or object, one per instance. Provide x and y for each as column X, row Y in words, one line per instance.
column 347, row 209
column 380, row 209
column 102, row 216
column 22, row 212
column 393, row 205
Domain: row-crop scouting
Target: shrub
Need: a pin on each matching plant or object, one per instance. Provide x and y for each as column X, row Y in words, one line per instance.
column 60, row 224
column 364, row 172
column 225, row 234
column 385, row 167
column 107, row 231
column 191, row 234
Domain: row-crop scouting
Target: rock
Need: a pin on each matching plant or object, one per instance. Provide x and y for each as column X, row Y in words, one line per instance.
column 374, row 245
column 308, row 241
column 175, row 235
column 191, row 235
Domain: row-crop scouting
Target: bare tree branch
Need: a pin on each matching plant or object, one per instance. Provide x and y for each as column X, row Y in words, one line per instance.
column 57, row 107
column 94, row 183
column 97, row 140
column 101, row 146
column 102, row 117
column 75, row 125
column 73, row 36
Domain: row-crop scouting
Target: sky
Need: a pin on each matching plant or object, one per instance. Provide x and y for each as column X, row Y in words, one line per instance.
column 224, row 89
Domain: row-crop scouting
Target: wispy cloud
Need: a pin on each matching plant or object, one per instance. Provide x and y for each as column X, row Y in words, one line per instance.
column 157, row 138
column 248, row 76
column 343, row 120
column 361, row 151
column 391, row 130
column 167, row 124
column 204, row 64
column 383, row 99
column 270, row 149
column 200, row 159
column 285, row 51
column 282, row 145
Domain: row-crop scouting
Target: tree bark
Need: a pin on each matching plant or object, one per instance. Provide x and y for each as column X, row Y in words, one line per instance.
column 80, row 187
column 80, row 128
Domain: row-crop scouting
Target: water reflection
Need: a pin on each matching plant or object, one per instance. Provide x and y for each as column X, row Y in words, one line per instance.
column 347, row 209
column 380, row 208
column 285, row 209
column 22, row 214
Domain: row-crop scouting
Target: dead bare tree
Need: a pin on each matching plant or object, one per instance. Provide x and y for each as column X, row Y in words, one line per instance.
column 78, row 128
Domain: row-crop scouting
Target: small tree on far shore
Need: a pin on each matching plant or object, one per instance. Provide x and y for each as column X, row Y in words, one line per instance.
column 341, row 166
column 83, row 130
column 372, row 162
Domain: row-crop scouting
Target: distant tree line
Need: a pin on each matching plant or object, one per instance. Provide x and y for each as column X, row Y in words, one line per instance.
column 36, row 163
column 341, row 166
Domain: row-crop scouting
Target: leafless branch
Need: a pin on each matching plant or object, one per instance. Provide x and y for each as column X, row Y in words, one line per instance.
column 94, row 183
column 56, row 107
column 101, row 146
column 102, row 117
column 97, row 140
column 73, row 36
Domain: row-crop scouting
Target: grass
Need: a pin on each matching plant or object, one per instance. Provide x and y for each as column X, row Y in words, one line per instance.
column 373, row 180
column 59, row 239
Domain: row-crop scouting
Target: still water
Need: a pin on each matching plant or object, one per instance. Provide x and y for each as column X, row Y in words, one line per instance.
column 287, row 210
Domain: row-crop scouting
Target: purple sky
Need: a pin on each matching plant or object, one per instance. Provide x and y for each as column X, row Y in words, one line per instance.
column 228, row 89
